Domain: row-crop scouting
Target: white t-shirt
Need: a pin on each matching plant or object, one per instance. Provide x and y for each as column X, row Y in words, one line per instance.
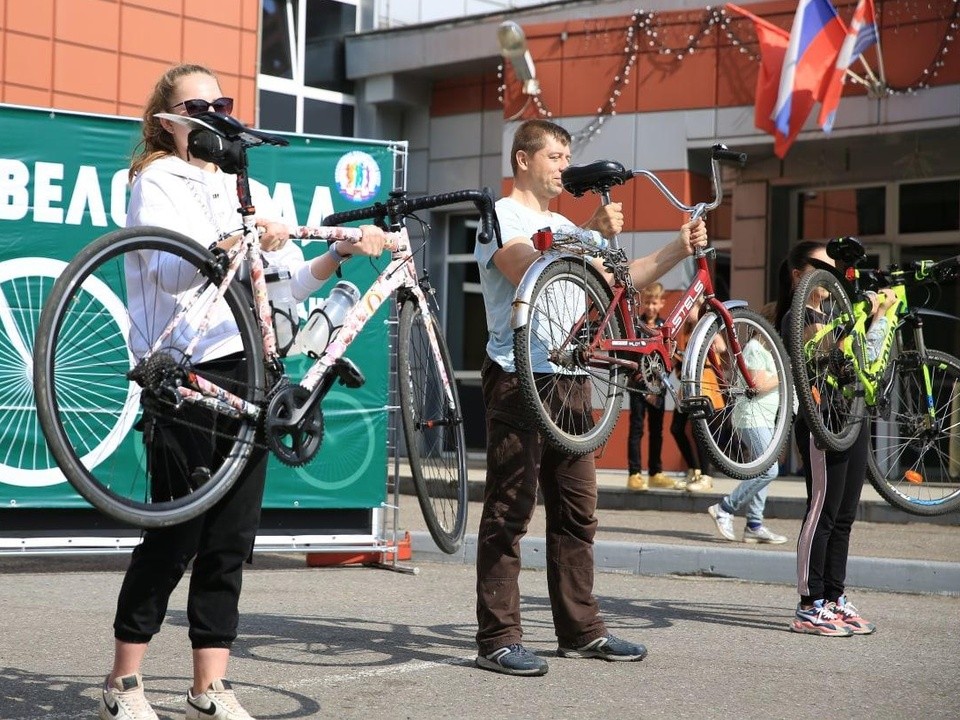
column 173, row 194
column 762, row 410
column 515, row 220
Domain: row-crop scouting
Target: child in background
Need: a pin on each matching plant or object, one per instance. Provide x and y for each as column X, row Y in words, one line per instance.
column 754, row 421
column 698, row 478
column 651, row 406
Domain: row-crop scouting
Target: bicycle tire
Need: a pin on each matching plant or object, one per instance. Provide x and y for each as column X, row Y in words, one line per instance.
column 433, row 430
column 829, row 391
column 81, row 364
column 724, row 433
column 561, row 393
column 909, row 464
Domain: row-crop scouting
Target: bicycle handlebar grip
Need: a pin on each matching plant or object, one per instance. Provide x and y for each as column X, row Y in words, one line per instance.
column 376, row 212
column 396, row 207
column 725, row 154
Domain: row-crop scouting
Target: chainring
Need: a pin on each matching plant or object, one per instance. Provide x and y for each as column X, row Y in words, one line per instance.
column 294, row 445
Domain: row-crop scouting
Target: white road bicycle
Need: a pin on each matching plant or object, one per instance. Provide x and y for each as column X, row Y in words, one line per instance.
column 153, row 358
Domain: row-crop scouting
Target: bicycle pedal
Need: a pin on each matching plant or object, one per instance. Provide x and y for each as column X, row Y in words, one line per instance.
column 697, row 407
column 348, row 373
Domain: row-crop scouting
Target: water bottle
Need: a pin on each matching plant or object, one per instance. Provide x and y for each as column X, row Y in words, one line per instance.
column 324, row 323
column 286, row 316
column 588, row 238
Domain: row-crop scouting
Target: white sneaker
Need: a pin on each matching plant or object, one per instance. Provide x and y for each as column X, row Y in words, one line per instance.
column 699, row 482
column 123, row 699
column 723, row 520
column 218, row 702
column 763, row 535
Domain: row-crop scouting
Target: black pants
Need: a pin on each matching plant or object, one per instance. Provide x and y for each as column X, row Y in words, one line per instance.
column 639, row 408
column 693, row 455
column 834, row 481
column 218, row 541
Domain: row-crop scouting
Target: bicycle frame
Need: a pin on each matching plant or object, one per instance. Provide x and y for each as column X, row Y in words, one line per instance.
column 874, row 375
column 399, row 274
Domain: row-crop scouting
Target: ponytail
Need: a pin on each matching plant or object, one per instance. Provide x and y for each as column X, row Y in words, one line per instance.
column 797, row 259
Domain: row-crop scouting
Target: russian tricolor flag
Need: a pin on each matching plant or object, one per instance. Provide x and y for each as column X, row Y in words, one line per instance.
column 861, row 35
column 815, row 41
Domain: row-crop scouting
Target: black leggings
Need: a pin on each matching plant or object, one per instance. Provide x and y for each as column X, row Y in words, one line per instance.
column 834, row 481
column 218, row 541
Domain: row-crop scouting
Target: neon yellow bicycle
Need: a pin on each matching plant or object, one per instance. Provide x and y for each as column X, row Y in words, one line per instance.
column 850, row 367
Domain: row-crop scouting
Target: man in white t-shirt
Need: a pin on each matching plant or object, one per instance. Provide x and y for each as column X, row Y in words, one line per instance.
column 517, row 457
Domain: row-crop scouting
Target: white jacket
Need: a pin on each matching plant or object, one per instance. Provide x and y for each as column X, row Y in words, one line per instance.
column 176, row 195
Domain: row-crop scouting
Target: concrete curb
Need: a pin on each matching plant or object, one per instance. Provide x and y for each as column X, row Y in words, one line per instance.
column 892, row 575
column 787, row 508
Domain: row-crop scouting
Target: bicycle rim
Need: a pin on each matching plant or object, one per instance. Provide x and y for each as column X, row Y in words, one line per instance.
column 914, row 463
column 433, row 429
column 748, row 428
column 572, row 392
column 161, row 466
column 828, row 389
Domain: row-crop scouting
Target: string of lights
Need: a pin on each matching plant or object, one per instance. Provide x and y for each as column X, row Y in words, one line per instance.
column 652, row 28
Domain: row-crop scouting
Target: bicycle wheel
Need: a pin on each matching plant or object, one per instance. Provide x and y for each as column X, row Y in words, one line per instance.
column 432, row 425
column 749, row 427
column 96, row 377
column 572, row 391
column 828, row 388
column 914, row 460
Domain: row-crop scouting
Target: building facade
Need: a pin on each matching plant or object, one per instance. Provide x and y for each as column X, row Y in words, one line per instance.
column 653, row 89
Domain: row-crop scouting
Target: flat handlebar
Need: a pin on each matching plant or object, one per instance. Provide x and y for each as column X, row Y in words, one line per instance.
column 399, row 205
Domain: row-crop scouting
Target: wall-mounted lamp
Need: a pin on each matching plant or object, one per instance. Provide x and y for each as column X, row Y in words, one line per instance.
column 513, row 46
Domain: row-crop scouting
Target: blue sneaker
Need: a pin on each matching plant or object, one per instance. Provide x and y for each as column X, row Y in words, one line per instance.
column 513, row 660
column 607, row 647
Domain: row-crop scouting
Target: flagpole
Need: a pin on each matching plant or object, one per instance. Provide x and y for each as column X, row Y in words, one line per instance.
column 857, row 79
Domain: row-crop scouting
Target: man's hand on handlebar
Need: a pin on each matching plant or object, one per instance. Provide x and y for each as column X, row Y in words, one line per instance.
column 607, row 220
column 693, row 235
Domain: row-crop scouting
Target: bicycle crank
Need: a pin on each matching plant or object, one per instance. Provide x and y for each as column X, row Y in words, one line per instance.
column 294, row 442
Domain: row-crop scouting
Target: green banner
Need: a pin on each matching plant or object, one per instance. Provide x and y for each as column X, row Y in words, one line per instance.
column 63, row 183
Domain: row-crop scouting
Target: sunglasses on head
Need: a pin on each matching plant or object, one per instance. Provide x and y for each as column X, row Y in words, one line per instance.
column 221, row 106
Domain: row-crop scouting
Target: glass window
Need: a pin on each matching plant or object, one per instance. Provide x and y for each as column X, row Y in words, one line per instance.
column 930, row 207
column 277, row 37
column 324, row 66
column 278, row 111
column 323, row 118
column 834, row 213
column 466, row 325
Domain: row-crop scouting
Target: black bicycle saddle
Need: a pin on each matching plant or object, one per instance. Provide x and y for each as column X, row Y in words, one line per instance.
column 229, row 127
column 594, row 177
column 847, row 251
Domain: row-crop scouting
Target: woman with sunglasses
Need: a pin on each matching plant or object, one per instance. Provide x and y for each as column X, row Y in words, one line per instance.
column 171, row 189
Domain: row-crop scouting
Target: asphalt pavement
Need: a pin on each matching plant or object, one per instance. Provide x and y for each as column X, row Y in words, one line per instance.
column 369, row 644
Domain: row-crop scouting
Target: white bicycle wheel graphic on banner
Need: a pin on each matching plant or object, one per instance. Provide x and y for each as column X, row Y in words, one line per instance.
column 24, row 459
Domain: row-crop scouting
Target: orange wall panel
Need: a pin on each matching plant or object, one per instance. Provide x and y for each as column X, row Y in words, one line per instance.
column 85, row 71
column 138, row 76
column 172, row 7
column 34, row 17
column 150, row 34
column 220, row 13
column 652, row 211
column 665, row 83
column 216, row 46
column 589, row 83
column 17, row 95
column 29, row 61
column 250, row 13
column 79, row 103
column 73, row 23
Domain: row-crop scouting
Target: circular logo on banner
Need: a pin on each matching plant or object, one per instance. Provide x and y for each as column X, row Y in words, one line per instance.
column 357, row 176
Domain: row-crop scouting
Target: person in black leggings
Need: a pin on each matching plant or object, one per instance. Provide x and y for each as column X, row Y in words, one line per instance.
column 834, row 481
